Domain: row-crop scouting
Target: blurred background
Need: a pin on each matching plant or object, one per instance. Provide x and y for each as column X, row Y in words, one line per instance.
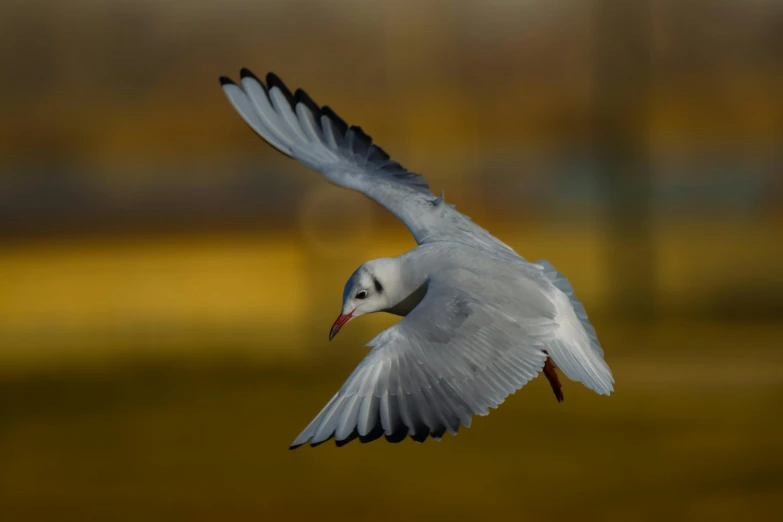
column 167, row 280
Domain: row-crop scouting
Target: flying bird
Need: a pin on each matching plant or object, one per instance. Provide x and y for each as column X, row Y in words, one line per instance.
column 479, row 321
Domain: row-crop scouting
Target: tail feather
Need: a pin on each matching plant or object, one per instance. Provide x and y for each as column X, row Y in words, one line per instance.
column 575, row 349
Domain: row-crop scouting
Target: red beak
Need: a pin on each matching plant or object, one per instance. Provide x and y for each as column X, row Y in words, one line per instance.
column 339, row 323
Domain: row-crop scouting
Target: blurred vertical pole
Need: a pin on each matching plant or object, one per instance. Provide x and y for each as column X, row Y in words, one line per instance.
column 622, row 55
column 425, row 85
column 397, row 81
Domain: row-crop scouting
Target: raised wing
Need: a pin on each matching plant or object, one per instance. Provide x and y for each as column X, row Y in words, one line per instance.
column 452, row 357
column 296, row 126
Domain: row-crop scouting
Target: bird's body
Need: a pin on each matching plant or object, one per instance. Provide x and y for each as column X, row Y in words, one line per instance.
column 479, row 320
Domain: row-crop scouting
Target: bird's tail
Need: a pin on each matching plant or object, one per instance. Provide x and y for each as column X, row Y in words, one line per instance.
column 575, row 348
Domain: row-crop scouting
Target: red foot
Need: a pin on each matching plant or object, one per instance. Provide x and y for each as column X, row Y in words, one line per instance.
column 554, row 382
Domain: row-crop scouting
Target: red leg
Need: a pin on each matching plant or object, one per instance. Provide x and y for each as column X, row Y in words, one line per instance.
column 554, row 382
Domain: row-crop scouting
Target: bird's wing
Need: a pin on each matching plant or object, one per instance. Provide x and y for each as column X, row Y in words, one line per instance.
column 454, row 356
column 296, row 126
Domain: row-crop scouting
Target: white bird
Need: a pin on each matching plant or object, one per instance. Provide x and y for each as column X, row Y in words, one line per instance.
column 479, row 320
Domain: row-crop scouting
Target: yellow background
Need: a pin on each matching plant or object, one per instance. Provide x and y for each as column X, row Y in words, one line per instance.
column 167, row 281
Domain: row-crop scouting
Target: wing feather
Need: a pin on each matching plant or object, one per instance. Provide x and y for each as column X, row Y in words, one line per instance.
column 451, row 358
column 317, row 137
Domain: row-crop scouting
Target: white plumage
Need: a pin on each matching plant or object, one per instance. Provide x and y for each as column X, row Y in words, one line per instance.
column 480, row 321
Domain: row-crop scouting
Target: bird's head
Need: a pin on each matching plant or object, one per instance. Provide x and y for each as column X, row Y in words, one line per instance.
column 367, row 291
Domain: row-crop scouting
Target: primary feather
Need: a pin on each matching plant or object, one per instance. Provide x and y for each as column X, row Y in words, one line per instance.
column 296, row 126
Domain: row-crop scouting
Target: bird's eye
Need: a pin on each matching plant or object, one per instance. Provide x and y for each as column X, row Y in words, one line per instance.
column 361, row 295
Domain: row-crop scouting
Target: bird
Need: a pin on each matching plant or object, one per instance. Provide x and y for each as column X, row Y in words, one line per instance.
column 478, row 320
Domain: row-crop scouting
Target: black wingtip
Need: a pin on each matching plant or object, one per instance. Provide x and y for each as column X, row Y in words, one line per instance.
column 272, row 80
column 420, row 435
column 375, row 433
column 398, row 435
column 225, row 80
column 337, row 121
column 342, row 442
column 364, row 139
column 247, row 73
column 302, row 97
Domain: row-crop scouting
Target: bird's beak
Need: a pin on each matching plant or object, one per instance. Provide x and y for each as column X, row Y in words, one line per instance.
column 339, row 323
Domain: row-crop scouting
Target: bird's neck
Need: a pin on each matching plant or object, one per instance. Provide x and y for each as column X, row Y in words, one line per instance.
column 409, row 288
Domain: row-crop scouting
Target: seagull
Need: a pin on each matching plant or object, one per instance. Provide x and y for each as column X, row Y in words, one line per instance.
column 479, row 321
